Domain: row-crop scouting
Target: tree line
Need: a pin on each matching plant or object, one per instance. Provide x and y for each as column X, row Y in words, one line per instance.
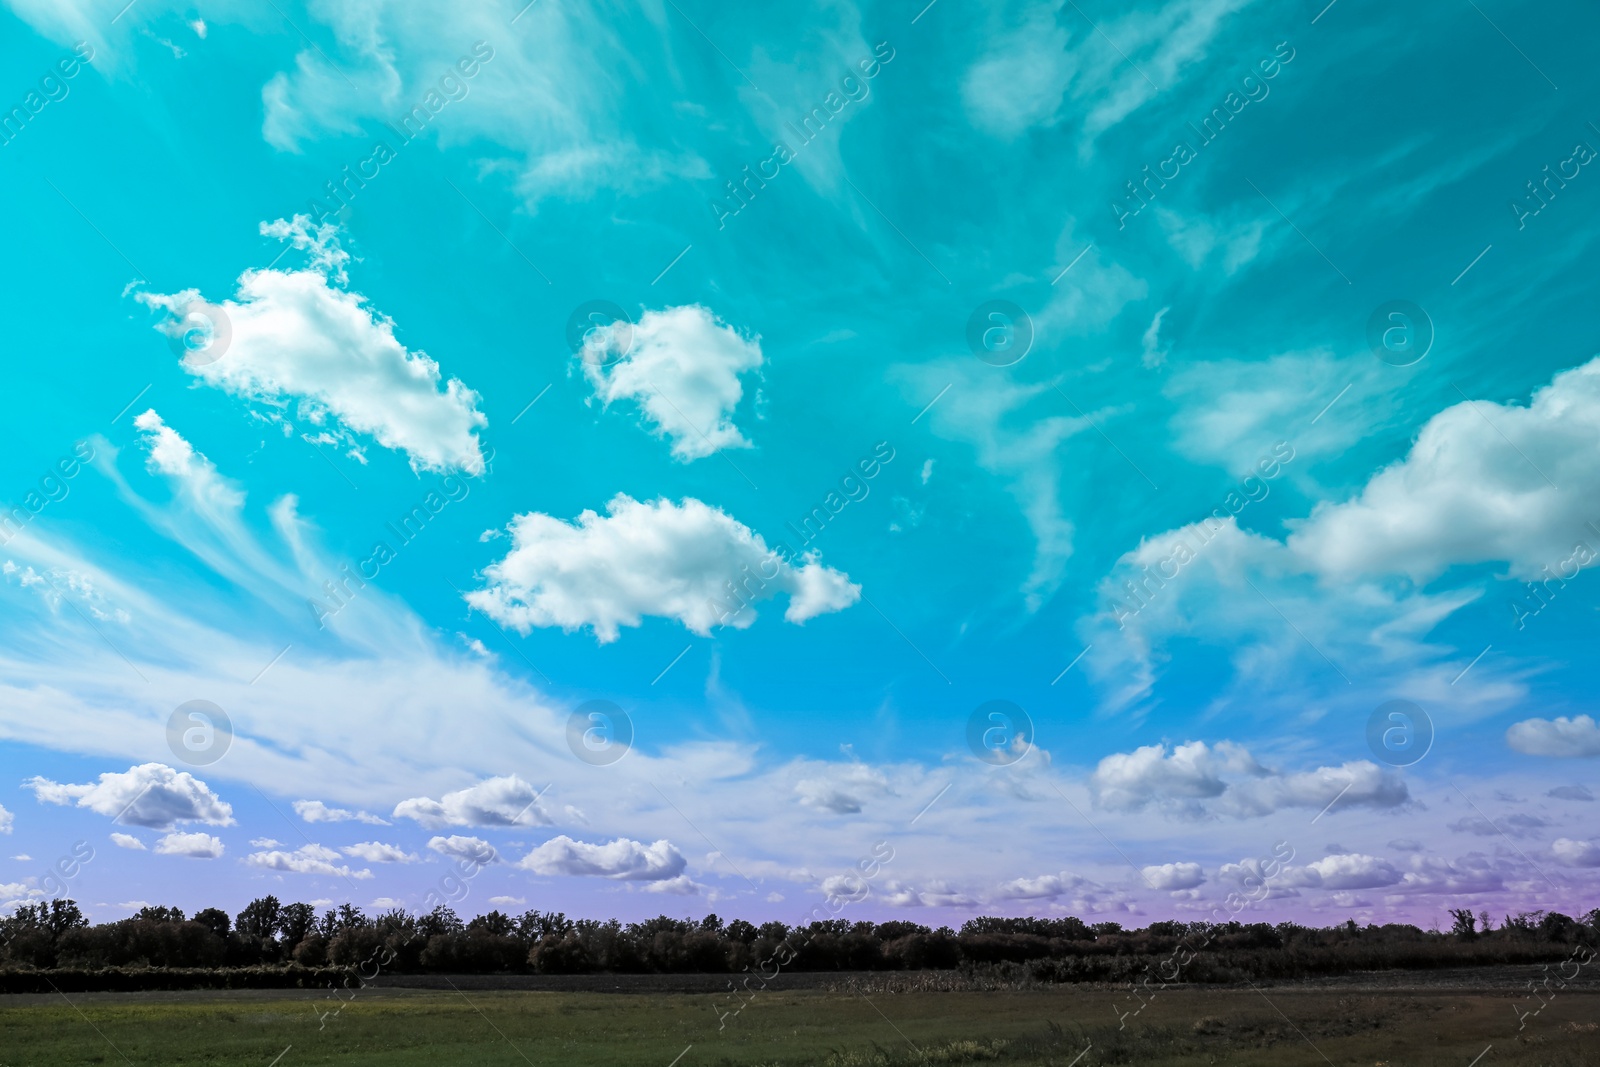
column 269, row 933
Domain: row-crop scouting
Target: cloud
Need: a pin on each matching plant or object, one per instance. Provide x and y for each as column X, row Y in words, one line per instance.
column 292, row 336
column 1017, row 432
column 681, row 366
column 542, row 140
column 1354, row 871
column 6, row 820
column 1044, row 887
column 1570, row 792
column 195, row 846
column 682, row 886
column 509, row 902
column 622, row 859
column 1518, row 825
column 1038, row 75
column 1197, row 780
column 128, row 841
column 1561, row 737
column 844, row 791
column 1153, row 355
column 1170, row 876
column 504, row 801
column 1022, row 79
column 1570, row 853
column 474, row 849
column 151, row 795
column 317, row 811
column 58, row 585
column 1473, row 489
column 170, row 454
column 265, row 842
column 378, row 852
column 307, row 859
column 659, row 558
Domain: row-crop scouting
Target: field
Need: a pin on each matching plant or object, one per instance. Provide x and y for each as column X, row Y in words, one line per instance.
column 1276, row 1026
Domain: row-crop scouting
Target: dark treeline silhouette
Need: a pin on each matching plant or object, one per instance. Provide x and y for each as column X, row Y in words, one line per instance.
column 292, row 939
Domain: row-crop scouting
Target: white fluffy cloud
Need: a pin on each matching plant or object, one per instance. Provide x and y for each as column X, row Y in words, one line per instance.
column 1483, row 483
column 196, row 846
column 1354, row 871
column 1570, row 853
column 293, row 336
column 150, row 794
column 6, row 820
column 622, row 859
column 1044, row 887
column 1195, row 780
column 503, row 801
column 681, row 366
column 1172, row 876
column 317, row 811
column 1577, row 736
column 657, row 558
column 128, row 841
column 1473, row 489
column 378, row 852
column 474, row 849
column 307, row 859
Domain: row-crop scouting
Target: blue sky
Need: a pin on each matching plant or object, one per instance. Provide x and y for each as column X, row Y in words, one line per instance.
column 1222, row 511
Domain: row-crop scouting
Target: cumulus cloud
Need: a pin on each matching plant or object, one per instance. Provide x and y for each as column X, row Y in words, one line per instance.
column 657, row 558
column 128, row 841
column 1561, row 737
column 681, row 366
column 1044, row 887
column 681, row 886
column 1195, row 780
column 307, row 859
column 196, row 846
column 1466, row 493
column 1170, row 876
column 1484, row 483
column 1570, row 792
column 317, row 811
column 473, row 849
column 378, row 852
column 504, row 801
column 622, row 859
column 151, row 795
column 1570, row 853
column 6, row 820
column 1354, row 871
column 293, row 336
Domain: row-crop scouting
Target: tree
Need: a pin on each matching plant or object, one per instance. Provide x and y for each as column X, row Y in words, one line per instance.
column 495, row 924
column 214, row 919
column 295, row 923
column 1462, row 924
column 259, row 919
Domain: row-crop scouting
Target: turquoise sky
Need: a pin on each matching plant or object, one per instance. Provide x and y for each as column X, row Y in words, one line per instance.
column 1198, row 378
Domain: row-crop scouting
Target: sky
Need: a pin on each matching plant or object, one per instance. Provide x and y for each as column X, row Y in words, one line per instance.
column 637, row 458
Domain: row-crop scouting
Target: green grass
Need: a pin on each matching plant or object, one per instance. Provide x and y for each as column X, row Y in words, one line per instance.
column 397, row 1028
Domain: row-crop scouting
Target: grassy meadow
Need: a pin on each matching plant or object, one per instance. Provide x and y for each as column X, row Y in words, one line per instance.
column 1070, row 1027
